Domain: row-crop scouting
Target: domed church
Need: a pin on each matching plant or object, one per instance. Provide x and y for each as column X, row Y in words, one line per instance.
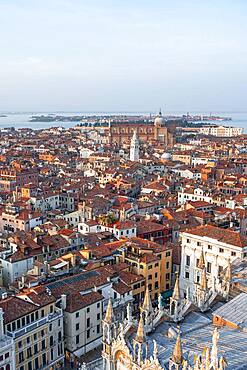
column 158, row 131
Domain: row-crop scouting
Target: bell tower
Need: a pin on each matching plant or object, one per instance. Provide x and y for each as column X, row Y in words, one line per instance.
column 134, row 148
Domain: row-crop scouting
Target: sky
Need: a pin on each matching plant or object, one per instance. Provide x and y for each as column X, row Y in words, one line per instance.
column 123, row 55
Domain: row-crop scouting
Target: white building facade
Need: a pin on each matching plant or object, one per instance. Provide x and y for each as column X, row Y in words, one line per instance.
column 221, row 131
column 211, row 246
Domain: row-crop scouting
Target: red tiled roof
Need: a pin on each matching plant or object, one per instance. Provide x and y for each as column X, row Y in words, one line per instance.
column 76, row 301
column 121, row 288
column 146, row 226
column 66, row 232
column 223, row 235
column 15, row 308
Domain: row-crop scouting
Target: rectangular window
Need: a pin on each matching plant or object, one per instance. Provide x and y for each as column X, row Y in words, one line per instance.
column 233, row 254
column 221, row 250
column 98, row 316
column 88, row 333
column 21, row 356
column 77, row 314
column 77, row 326
column 187, row 261
column 210, row 246
column 77, row 339
column 98, row 328
column 29, row 352
column 220, row 269
column 44, row 359
column 187, row 275
column 88, row 322
column 18, row 324
column 209, row 267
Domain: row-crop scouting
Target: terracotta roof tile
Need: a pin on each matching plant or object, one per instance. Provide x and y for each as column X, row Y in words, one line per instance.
column 222, row 235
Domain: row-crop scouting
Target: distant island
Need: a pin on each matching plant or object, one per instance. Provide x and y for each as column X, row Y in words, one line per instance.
column 3, row 115
column 105, row 119
column 53, row 118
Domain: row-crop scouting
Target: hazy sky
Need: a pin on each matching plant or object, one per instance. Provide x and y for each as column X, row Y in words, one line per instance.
column 123, row 55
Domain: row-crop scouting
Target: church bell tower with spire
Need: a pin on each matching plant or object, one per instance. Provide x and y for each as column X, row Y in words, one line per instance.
column 134, row 148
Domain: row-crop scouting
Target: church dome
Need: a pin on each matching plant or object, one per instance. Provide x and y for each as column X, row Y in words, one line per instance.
column 166, row 156
column 159, row 119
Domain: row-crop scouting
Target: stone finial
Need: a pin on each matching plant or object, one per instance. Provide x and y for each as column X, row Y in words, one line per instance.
column 140, row 335
column 109, row 316
column 176, row 291
column 177, row 355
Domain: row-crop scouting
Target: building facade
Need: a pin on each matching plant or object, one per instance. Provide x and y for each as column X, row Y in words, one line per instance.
column 150, row 260
column 221, row 131
column 159, row 131
column 35, row 325
column 211, row 249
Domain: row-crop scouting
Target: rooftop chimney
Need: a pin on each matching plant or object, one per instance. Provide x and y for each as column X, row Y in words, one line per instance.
column 63, row 301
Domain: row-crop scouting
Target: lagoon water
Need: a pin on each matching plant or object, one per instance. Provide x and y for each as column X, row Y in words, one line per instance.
column 21, row 120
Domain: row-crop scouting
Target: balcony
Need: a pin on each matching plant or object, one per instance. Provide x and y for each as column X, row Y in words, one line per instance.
column 55, row 315
column 18, row 333
column 51, row 317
